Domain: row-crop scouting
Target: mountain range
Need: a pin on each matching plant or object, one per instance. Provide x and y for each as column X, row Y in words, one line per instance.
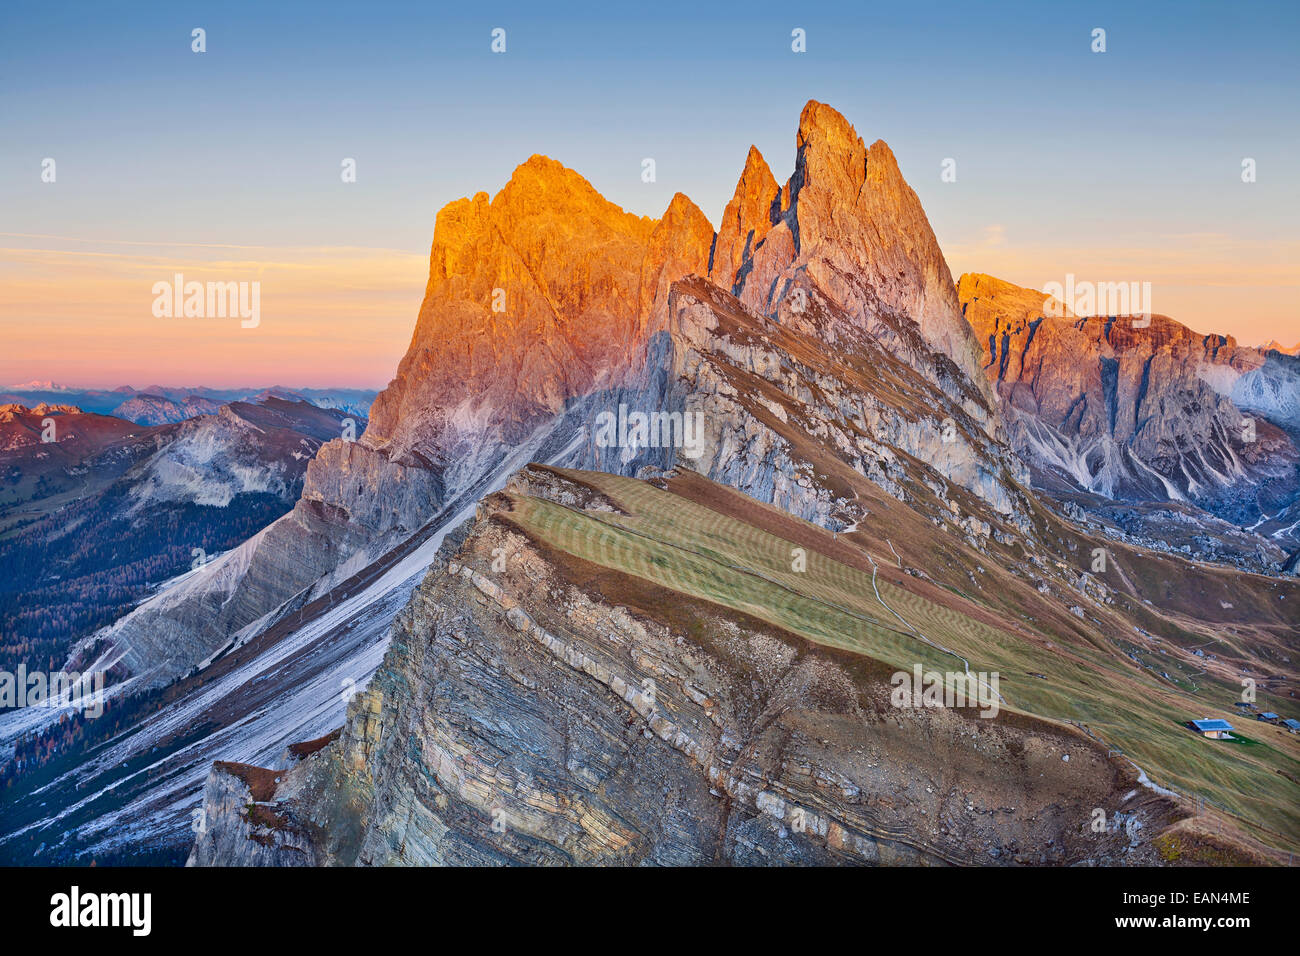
column 97, row 512
column 1135, row 419
column 488, row 632
column 160, row 404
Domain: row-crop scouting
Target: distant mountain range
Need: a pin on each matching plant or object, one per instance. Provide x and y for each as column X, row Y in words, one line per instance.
column 1279, row 347
column 160, row 405
column 95, row 510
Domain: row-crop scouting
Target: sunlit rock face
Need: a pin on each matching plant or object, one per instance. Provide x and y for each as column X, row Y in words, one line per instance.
column 1138, row 409
column 536, row 296
column 547, row 299
column 847, row 224
column 548, row 291
column 763, row 401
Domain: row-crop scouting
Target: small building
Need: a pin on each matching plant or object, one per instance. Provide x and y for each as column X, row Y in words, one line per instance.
column 1292, row 725
column 1269, row 716
column 1213, row 727
column 1244, row 705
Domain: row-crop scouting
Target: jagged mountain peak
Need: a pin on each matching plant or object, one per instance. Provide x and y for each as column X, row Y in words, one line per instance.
column 1275, row 346
column 824, row 131
column 680, row 245
column 544, row 186
column 830, row 157
column 546, row 290
column 833, row 162
column 681, row 205
column 753, row 209
column 850, row 225
column 532, row 296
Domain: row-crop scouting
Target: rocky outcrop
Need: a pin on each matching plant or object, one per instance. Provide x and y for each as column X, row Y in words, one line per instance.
column 548, row 292
column 251, row 832
column 534, row 297
column 1142, row 411
column 761, row 403
column 679, row 246
column 753, row 210
column 848, row 225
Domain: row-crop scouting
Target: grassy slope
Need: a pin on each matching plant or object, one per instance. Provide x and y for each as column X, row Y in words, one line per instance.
column 713, row 543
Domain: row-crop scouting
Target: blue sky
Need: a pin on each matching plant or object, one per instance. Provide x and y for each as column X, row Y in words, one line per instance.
column 1067, row 160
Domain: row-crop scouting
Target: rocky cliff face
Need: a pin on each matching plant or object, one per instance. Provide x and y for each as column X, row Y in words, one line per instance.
column 547, row 291
column 536, row 708
column 828, row 326
column 533, row 297
column 1155, row 413
column 847, row 225
column 548, row 294
column 773, row 405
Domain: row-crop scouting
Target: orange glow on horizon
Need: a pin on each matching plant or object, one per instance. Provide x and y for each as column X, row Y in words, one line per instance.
column 80, row 313
column 336, row 317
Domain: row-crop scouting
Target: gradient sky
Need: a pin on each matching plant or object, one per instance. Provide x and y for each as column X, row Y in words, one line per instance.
column 1122, row 166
